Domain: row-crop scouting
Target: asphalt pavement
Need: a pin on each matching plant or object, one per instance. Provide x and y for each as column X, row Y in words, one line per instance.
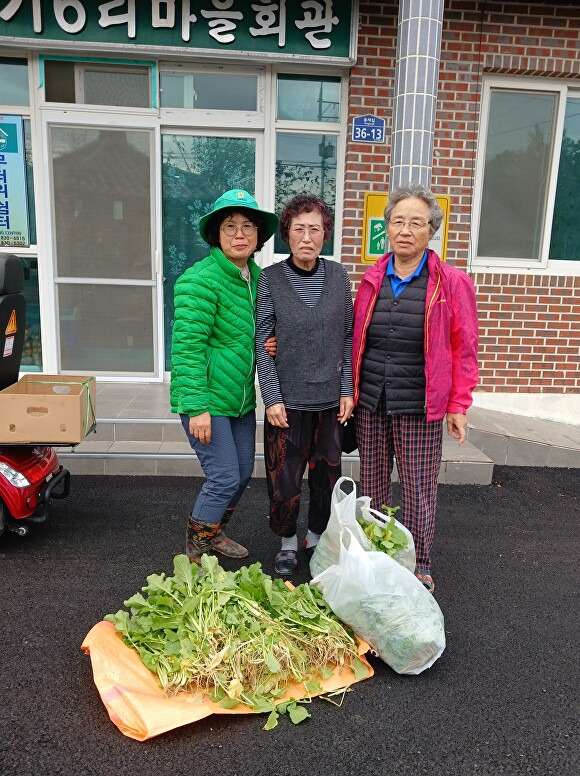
column 502, row 699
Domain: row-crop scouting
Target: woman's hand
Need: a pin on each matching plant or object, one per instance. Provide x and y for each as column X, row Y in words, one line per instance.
column 200, row 427
column 276, row 415
column 457, row 426
column 271, row 346
column 345, row 408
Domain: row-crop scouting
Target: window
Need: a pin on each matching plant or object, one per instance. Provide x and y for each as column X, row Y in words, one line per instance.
column 32, row 350
column 530, row 172
column 307, row 142
column 305, row 164
column 209, row 91
column 565, row 242
column 14, row 92
column 13, row 81
column 86, row 83
column 308, row 98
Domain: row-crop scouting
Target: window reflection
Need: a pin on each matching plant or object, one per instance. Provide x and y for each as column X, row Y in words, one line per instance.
column 207, row 91
column 566, row 225
column 13, row 81
column 305, row 164
column 517, row 161
column 32, row 351
column 308, row 98
column 195, row 171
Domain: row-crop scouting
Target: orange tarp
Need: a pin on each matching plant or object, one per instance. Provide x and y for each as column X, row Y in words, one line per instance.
column 138, row 706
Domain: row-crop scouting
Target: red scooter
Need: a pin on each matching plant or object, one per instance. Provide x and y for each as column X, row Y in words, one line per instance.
column 30, row 474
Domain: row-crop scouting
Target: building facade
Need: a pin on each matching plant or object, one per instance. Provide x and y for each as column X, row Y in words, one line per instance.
column 135, row 115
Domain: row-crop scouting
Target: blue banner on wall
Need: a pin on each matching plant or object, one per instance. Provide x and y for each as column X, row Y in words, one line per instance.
column 14, row 230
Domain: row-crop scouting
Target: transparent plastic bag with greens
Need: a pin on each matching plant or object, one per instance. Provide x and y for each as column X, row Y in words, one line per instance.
column 346, row 509
column 384, row 604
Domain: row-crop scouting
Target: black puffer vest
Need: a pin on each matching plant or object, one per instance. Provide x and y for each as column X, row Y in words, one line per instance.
column 394, row 360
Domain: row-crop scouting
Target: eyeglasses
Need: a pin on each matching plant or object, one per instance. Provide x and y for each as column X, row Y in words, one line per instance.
column 415, row 224
column 231, row 228
column 300, row 231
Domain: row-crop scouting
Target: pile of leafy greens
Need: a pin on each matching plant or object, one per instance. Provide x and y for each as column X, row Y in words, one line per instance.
column 240, row 637
column 388, row 537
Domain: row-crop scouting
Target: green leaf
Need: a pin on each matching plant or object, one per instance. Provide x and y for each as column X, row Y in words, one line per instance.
column 360, row 669
column 184, row 571
column 229, row 703
column 216, row 694
column 136, row 601
column 297, row 713
column 327, row 672
column 272, row 720
column 262, row 705
column 273, row 665
column 313, row 686
column 119, row 620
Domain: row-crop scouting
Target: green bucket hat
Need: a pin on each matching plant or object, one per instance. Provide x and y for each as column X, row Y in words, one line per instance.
column 238, row 198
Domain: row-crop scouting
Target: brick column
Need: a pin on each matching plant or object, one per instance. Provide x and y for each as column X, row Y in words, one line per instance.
column 416, row 77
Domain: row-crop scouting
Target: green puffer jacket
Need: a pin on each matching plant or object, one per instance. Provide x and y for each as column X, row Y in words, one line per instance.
column 212, row 351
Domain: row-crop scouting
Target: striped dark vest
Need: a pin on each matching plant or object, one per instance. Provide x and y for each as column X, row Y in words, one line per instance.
column 394, row 359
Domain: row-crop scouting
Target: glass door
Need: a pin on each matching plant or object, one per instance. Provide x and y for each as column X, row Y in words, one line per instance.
column 103, row 241
column 196, row 169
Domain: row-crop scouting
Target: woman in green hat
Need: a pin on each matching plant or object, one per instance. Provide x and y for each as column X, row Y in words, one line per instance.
column 213, row 364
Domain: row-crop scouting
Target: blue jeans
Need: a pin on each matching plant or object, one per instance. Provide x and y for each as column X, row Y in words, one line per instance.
column 227, row 462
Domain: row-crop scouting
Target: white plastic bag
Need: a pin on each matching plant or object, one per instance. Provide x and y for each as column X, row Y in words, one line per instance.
column 384, row 604
column 406, row 556
column 345, row 508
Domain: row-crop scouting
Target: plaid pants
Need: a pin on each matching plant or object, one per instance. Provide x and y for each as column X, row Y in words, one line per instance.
column 313, row 438
column 417, row 445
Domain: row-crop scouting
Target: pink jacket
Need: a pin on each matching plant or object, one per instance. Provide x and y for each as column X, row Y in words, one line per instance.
column 451, row 334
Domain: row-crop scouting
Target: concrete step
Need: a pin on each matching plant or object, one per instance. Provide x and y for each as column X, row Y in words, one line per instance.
column 516, row 440
column 137, row 434
column 144, row 446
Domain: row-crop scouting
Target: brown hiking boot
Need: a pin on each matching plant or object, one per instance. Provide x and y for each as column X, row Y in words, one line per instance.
column 198, row 538
column 223, row 544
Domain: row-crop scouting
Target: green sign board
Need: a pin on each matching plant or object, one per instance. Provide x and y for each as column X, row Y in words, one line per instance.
column 322, row 29
column 377, row 236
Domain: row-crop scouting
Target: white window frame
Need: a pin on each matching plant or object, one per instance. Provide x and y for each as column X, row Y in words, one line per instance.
column 543, row 265
column 214, row 119
column 115, row 66
column 54, row 118
column 81, row 67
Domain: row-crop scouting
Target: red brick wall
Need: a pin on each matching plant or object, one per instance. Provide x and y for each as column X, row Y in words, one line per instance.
column 529, row 325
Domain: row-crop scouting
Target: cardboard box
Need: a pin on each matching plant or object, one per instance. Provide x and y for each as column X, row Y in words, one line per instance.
column 51, row 409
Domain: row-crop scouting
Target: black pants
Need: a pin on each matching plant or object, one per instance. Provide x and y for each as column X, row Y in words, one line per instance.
column 313, row 438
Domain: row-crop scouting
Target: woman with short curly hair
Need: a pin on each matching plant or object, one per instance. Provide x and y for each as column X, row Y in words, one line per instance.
column 307, row 390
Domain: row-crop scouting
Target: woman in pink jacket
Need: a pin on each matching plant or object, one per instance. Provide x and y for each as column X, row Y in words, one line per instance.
column 414, row 363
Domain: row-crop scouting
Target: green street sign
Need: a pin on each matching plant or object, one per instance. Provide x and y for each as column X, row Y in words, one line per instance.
column 377, row 235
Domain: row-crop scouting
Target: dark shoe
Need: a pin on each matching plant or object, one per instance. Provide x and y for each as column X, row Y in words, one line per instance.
column 198, row 538
column 309, row 551
column 228, row 547
column 285, row 562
